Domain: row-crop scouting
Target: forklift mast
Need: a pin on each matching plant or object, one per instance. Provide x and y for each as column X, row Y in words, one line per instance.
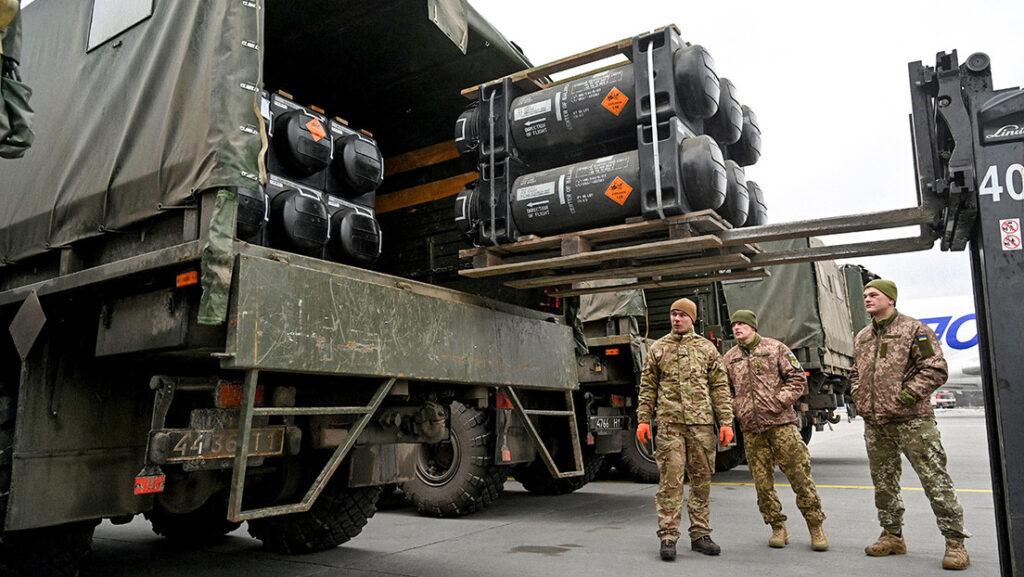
column 969, row 146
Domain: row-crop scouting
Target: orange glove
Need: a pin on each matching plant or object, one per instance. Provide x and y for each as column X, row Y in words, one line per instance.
column 643, row 432
column 725, row 435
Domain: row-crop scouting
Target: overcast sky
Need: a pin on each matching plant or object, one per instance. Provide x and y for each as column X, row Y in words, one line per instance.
column 828, row 82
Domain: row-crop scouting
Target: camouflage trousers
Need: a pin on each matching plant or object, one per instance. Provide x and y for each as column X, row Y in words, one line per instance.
column 920, row 441
column 690, row 450
column 782, row 446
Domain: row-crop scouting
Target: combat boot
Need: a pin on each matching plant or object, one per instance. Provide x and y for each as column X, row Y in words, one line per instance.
column 779, row 538
column 887, row 544
column 705, row 545
column 956, row 556
column 819, row 541
column 668, row 550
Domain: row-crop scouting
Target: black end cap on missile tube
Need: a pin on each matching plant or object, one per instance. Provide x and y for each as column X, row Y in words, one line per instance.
column 737, row 198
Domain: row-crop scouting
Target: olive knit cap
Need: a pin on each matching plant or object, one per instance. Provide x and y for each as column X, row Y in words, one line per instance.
column 887, row 287
column 746, row 317
column 687, row 306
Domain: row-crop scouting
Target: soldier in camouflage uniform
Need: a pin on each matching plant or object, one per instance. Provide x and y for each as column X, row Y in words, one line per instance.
column 767, row 379
column 684, row 386
column 899, row 364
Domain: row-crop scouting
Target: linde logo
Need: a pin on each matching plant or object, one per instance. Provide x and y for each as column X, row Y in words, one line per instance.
column 1006, row 132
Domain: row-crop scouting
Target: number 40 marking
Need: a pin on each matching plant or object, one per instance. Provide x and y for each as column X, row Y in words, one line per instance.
column 1014, row 186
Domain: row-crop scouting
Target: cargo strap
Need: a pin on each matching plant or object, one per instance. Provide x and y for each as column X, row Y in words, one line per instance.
column 569, row 413
column 654, row 126
column 235, row 511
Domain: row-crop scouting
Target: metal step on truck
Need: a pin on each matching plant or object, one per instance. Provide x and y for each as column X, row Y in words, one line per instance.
column 195, row 329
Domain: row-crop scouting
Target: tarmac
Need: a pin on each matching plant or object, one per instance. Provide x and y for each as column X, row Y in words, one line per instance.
column 607, row 528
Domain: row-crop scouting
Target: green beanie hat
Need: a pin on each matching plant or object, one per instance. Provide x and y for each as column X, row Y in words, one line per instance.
column 887, row 287
column 746, row 317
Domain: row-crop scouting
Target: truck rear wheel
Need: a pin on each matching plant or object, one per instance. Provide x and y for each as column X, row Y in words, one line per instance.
column 339, row 514
column 536, row 478
column 49, row 552
column 457, row 477
column 209, row 521
column 638, row 459
column 727, row 460
column 806, row 433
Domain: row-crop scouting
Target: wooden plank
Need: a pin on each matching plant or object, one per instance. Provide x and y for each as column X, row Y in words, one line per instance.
column 530, row 79
column 694, row 265
column 632, row 230
column 662, row 248
column 624, row 47
column 424, row 193
column 677, row 283
column 434, row 154
column 575, row 245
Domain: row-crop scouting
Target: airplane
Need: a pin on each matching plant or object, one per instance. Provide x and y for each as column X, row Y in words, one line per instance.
column 955, row 323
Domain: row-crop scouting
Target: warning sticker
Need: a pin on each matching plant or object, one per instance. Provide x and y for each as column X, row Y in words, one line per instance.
column 1009, row 229
column 618, row 191
column 615, row 101
column 316, row 129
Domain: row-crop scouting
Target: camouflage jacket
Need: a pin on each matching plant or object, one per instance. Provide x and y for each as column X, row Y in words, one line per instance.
column 683, row 382
column 766, row 381
column 899, row 353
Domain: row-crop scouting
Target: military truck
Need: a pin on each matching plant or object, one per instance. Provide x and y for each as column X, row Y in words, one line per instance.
column 195, row 330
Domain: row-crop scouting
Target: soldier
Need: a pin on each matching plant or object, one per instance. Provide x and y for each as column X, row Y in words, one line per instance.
column 683, row 383
column 767, row 379
column 899, row 364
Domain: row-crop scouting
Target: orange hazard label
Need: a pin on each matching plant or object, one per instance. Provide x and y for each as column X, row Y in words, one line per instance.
column 316, row 129
column 618, row 191
column 615, row 101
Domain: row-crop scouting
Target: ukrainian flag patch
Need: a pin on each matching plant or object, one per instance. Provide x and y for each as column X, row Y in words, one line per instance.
column 925, row 346
column 792, row 360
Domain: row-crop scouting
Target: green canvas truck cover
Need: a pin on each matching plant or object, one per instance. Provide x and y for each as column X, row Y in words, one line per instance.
column 808, row 305
column 169, row 106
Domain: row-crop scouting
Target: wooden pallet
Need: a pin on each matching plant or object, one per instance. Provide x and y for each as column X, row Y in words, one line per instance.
column 538, row 78
column 680, row 249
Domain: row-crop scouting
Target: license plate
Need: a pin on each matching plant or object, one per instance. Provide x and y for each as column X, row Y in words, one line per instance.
column 193, row 444
column 607, row 423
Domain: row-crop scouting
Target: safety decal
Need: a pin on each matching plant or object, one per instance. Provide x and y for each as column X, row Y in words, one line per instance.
column 615, row 101
column 316, row 129
column 793, row 361
column 618, row 191
column 1009, row 230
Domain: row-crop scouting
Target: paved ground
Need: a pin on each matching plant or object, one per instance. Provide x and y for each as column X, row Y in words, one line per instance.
column 607, row 529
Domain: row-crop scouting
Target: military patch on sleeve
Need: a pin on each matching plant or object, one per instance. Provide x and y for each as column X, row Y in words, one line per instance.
column 792, row 360
column 925, row 346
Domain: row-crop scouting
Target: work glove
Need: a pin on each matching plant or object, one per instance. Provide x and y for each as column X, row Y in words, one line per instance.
column 908, row 398
column 725, row 435
column 643, row 432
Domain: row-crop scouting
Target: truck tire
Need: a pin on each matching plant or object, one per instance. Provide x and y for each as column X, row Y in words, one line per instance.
column 339, row 514
column 727, row 460
column 638, row 460
column 457, row 477
column 806, row 433
column 536, row 478
column 207, row 522
column 49, row 552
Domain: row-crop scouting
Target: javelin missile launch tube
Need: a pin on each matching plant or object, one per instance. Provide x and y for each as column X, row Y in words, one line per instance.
column 605, row 191
column 574, row 119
